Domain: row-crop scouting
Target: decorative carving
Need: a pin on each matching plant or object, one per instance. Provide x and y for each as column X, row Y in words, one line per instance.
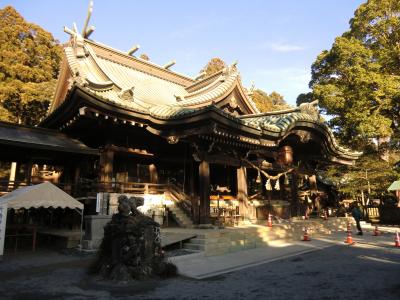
column 304, row 136
column 173, row 139
column 211, row 147
column 80, row 80
column 179, row 98
column 222, row 189
column 233, row 102
column 127, row 94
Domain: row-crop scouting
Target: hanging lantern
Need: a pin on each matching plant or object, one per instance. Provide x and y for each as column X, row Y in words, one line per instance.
column 277, row 185
column 268, row 185
column 258, row 180
column 286, row 182
column 285, row 155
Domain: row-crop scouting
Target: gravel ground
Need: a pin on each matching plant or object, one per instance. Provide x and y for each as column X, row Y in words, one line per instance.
column 338, row 272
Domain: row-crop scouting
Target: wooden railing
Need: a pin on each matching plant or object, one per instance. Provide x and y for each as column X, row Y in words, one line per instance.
column 181, row 199
column 82, row 188
column 91, row 188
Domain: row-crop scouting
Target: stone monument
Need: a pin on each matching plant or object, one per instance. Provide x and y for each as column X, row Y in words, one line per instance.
column 131, row 247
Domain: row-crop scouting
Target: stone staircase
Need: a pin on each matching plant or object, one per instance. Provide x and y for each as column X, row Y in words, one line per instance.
column 179, row 216
column 228, row 240
column 219, row 242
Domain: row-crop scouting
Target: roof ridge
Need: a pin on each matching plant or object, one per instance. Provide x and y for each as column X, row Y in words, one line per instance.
column 202, row 80
column 139, row 60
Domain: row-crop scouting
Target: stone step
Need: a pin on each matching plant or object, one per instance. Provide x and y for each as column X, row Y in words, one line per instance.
column 194, row 246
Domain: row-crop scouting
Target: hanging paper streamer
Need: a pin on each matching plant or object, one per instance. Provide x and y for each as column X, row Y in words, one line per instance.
column 268, row 185
column 277, row 186
column 258, row 180
column 286, row 182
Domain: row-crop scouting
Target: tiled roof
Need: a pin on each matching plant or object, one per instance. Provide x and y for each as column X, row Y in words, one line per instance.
column 126, row 81
column 131, row 83
column 281, row 122
column 35, row 137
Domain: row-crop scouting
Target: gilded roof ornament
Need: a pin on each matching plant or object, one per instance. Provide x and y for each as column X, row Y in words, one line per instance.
column 310, row 108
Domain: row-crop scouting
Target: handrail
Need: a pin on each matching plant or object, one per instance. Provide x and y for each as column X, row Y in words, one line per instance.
column 181, row 199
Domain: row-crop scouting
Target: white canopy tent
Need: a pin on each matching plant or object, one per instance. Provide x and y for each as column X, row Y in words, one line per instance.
column 41, row 195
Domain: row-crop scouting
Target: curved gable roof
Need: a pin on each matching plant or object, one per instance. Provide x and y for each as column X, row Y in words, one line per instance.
column 122, row 79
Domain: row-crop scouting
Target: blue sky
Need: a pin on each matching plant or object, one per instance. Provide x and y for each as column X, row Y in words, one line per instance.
column 275, row 42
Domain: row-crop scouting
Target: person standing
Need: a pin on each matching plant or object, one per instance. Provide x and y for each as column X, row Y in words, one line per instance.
column 357, row 215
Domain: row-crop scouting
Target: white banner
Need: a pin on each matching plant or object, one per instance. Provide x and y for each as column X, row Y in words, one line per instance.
column 99, row 200
column 3, row 221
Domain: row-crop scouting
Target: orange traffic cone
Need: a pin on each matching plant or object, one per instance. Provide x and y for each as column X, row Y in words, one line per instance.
column 306, row 238
column 376, row 231
column 269, row 220
column 349, row 239
column 397, row 240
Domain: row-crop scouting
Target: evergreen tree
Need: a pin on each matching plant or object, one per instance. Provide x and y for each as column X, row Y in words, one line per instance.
column 304, row 98
column 357, row 82
column 29, row 64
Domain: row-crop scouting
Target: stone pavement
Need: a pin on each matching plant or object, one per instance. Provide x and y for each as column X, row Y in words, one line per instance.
column 200, row 266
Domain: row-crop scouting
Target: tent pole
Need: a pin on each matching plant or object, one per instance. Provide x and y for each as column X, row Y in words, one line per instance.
column 81, row 236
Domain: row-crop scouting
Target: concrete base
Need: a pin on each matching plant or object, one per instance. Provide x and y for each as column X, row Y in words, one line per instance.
column 91, row 244
column 94, row 231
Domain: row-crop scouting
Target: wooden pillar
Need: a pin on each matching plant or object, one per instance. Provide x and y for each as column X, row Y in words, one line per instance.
column 192, row 183
column 28, row 172
column 106, row 167
column 13, row 172
column 242, row 191
column 194, row 192
column 77, row 175
column 67, row 178
column 204, row 192
column 295, row 207
column 153, row 173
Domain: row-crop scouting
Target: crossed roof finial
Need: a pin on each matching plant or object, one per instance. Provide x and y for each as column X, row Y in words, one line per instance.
column 86, row 32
